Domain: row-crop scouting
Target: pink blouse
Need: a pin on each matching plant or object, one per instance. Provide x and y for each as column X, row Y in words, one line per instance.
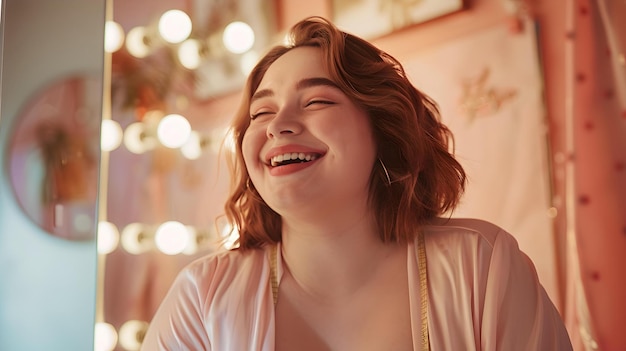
column 483, row 294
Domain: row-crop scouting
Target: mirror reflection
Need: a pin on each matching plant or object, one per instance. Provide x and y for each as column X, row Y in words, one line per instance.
column 53, row 156
column 177, row 69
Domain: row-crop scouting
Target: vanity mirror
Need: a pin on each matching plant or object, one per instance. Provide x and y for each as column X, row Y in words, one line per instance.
column 173, row 94
column 52, row 157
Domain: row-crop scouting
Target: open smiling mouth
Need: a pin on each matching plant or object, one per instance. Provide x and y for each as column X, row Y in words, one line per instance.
column 293, row 157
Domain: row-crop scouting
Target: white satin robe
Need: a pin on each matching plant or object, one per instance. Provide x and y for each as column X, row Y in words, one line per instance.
column 484, row 294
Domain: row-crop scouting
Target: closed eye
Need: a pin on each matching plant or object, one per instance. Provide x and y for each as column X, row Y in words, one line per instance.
column 323, row 102
column 259, row 114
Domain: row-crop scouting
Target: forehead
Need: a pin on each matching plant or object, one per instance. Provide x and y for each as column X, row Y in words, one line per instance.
column 298, row 63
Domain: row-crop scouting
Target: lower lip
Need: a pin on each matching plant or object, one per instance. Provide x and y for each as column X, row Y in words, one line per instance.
column 291, row 168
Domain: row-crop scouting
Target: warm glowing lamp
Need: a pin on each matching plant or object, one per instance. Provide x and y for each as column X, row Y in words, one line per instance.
column 135, row 238
column 136, row 138
column 137, row 42
column 113, row 36
column 132, row 333
column 174, row 26
column 111, row 135
column 173, row 131
column 105, row 337
column 189, row 53
column 238, row 37
column 108, row 237
column 172, row 237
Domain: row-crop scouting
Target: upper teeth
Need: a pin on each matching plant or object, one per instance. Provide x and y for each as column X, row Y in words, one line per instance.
column 292, row 156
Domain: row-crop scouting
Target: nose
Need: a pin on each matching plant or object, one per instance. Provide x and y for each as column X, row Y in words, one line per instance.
column 284, row 123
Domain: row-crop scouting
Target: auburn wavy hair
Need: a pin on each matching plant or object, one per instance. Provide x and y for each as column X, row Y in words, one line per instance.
column 412, row 143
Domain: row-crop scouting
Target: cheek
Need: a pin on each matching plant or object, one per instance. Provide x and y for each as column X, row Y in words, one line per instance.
column 250, row 147
column 355, row 135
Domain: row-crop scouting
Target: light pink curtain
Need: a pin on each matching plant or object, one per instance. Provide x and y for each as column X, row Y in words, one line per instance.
column 596, row 114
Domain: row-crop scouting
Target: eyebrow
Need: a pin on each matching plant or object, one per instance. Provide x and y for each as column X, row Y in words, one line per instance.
column 302, row 84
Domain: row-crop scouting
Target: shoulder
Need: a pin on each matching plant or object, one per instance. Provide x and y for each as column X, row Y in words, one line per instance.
column 476, row 269
column 223, row 266
column 467, row 239
column 474, row 247
column 463, row 228
column 208, row 292
column 225, row 260
column 466, row 231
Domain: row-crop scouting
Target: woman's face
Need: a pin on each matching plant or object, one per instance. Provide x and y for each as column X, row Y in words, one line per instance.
column 307, row 144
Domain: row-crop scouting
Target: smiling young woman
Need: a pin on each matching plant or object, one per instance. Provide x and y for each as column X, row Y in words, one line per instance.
column 341, row 175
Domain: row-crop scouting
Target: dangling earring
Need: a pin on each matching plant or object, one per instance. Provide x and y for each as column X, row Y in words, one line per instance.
column 386, row 172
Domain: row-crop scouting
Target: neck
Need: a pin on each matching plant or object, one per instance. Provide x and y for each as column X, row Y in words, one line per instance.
column 331, row 260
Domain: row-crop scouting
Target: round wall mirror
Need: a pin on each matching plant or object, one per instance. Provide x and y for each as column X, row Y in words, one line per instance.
column 53, row 157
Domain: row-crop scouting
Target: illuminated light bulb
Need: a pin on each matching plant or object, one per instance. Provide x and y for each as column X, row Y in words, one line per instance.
column 132, row 334
column 111, row 135
column 174, row 26
column 192, row 149
column 135, row 239
column 105, row 337
column 108, row 237
column 136, row 42
column 248, row 61
column 137, row 140
column 238, row 37
column 189, row 54
column 113, row 36
column 173, row 131
column 172, row 237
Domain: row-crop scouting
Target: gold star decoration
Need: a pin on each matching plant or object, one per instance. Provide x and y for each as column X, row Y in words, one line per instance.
column 479, row 99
